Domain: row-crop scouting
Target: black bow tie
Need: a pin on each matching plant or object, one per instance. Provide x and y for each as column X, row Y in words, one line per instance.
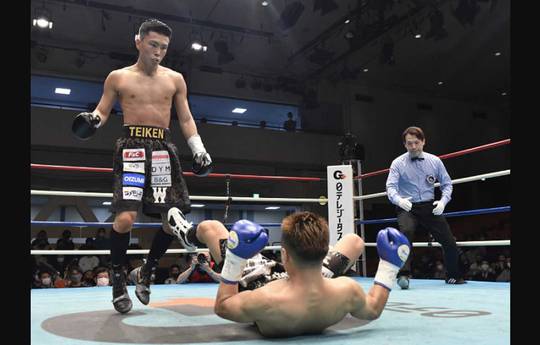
column 417, row 158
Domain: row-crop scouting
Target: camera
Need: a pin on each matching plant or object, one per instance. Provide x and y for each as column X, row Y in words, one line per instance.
column 350, row 149
column 201, row 258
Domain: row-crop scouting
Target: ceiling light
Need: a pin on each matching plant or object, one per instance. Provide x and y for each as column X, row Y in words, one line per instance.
column 503, row 94
column 347, row 21
column 498, row 54
column 417, row 36
column 62, row 91
column 365, row 69
column 239, row 110
column 349, row 34
column 198, row 47
column 43, row 23
column 264, row 3
column 272, row 208
column 440, row 83
column 106, row 203
column 197, row 205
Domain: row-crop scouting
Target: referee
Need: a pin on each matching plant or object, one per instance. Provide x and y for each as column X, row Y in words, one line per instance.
column 410, row 186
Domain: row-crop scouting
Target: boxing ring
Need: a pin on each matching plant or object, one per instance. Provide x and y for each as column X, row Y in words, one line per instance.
column 431, row 312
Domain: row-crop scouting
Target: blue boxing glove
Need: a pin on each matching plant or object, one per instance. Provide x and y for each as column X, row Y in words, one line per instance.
column 393, row 248
column 245, row 240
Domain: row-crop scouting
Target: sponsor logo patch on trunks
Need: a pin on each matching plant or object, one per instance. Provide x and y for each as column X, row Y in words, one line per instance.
column 160, row 156
column 161, row 180
column 161, row 169
column 136, row 167
column 135, row 180
column 159, row 194
column 132, row 193
column 130, row 155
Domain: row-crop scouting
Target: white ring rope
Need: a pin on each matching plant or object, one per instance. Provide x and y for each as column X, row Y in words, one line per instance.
column 269, row 200
column 200, row 250
column 191, row 197
column 457, row 181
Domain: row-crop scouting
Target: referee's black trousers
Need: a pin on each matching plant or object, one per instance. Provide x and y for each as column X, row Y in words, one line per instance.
column 422, row 214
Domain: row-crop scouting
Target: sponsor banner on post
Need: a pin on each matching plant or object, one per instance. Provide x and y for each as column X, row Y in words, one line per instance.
column 340, row 201
column 133, row 155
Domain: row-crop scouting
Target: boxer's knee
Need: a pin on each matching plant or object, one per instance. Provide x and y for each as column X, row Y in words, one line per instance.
column 123, row 222
column 208, row 229
column 355, row 242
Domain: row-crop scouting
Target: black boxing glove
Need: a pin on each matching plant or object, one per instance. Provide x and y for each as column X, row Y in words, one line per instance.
column 85, row 125
column 202, row 163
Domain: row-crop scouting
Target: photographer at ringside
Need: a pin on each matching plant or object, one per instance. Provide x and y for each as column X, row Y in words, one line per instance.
column 200, row 270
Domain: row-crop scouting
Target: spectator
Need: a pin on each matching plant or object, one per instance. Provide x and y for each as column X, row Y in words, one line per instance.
column 439, row 272
column 65, row 243
column 475, row 266
column 74, row 277
column 499, row 265
column 101, row 276
column 134, row 260
column 174, row 272
column 200, row 271
column 102, row 242
column 41, row 241
column 504, row 276
column 290, row 124
column 485, row 273
column 88, row 278
column 45, row 280
column 184, row 261
column 89, row 261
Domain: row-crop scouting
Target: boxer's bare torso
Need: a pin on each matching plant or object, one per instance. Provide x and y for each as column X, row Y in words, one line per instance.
column 288, row 308
column 146, row 99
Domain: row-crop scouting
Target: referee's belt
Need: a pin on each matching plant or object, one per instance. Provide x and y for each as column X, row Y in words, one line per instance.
column 423, row 202
column 147, row 132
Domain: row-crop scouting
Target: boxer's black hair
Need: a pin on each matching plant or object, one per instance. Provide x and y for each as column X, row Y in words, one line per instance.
column 156, row 26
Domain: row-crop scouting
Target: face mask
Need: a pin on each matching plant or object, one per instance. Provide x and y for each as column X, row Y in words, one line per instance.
column 46, row 281
column 76, row 278
column 103, row 281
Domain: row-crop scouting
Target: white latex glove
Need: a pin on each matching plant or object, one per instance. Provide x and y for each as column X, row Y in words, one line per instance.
column 405, row 203
column 439, row 207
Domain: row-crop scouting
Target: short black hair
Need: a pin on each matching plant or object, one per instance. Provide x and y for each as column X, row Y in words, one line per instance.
column 156, row 26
